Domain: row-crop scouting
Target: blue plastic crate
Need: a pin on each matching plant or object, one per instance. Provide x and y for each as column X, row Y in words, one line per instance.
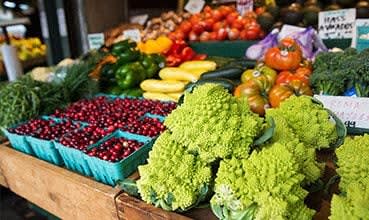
column 110, row 172
column 160, row 117
column 45, row 150
column 18, row 142
column 74, row 159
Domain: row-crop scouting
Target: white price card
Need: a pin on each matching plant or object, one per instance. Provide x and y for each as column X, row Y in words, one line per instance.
column 360, row 40
column 353, row 111
column 244, row 6
column 95, row 41
column 337, row 24
column 139, row 19
column 194, row 6
column 132, row 34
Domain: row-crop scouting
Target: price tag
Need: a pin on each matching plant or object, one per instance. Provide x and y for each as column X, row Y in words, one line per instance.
column 95, row 41
column 132, row 34
column 194, row 6
column 353, row 111
column 337, row 24
column 244, row 6
column 360, row 40
column 139, row 19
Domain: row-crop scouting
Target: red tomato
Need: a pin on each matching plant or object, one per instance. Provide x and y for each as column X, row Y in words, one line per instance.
column 205, row 36
column 253, row 32
column 192, row 36
column 232, row 17
column 217, row 15
column 207, row 9
column 209, row 23
column 185, row 27
column 238, row 23
column 243, row 35
column 222, row 34
column 198, row 28
column 213, row 36
column 225, row 10
column 233, row 34
column 218, row 25
column 194, row 19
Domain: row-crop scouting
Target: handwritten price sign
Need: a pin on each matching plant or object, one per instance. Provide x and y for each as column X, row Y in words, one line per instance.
column 337, row 24
column 353, row 111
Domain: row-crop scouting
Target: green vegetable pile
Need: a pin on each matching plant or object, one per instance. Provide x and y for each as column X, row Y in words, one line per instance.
column 27, row 98
column 353, row 202
column 131, row 67
column 211, row 151
column 336, row 73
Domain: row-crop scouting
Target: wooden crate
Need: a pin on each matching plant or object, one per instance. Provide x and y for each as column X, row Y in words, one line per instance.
column 55, row 189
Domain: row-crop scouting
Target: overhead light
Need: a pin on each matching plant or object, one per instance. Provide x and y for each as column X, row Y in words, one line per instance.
column 24, row 7
column 9, row 4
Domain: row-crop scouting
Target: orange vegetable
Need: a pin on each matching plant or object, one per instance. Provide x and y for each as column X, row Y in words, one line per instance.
column 287, row 56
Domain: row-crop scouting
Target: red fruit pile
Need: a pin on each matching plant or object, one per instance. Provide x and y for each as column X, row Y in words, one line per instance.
column 148, row 127
column 82, row 138
column 45, row 129
column 180, row 52
column 223, row 23
column 115, row 149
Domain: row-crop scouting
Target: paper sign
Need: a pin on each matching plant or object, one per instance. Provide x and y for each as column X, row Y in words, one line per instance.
column 95, row 41
column 132, row 34
column 288, row 30
column 194, row 6
column 337, row 24
column 353, row 111
column 244, row 6
column 139, row 19
column 360, row 40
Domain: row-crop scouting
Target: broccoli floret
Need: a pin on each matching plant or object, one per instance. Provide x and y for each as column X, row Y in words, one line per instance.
column 264, row 186
column 214, row 124
column 353, row 160
column 354, row 205
column 309, row 121
column 173, row 179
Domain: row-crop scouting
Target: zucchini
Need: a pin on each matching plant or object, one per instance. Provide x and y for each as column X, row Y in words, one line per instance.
column 226, row 72
column 243, row 63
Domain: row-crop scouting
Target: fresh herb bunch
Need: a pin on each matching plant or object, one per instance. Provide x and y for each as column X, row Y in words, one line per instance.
column 27, row 98
column 336, row 73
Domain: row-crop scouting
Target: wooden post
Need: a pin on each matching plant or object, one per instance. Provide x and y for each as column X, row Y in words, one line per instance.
column 55, row 189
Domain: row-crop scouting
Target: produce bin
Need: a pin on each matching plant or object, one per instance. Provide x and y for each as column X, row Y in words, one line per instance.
column 19, row 142
column 45, row 150
column 237, row 49
column 109, row 172
column 74, row 159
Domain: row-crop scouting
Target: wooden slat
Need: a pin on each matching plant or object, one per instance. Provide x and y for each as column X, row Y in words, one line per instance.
column 59, row 191
column 130, row 208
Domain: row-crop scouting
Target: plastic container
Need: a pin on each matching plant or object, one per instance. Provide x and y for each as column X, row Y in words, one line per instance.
column 74, row 159
column 18, row 142
column 109, row 172
column 160, row 117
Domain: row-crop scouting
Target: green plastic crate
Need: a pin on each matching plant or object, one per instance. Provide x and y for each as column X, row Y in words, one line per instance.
column 237, row 49
column 109, row 172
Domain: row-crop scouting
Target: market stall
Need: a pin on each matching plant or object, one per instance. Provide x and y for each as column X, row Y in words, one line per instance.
column 210, row 114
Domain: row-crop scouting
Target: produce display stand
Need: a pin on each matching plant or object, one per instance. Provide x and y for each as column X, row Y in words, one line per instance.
column 55, row 189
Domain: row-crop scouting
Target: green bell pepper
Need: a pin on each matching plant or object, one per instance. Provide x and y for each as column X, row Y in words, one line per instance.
column 128, row 56
column 130, row 75
column 107, row 77
column 135, row 92
column 115, row 90
column 120, row 47
column 150, row 65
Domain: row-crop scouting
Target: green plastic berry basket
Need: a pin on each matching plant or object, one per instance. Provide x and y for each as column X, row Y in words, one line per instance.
column 18, row 142
column 110, row 172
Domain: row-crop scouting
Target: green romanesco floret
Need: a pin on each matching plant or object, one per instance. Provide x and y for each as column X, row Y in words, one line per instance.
column 267, row 185
column 214, row 124
column 173, row 179
column 353, row 160
column 305, row 156
column 309, row 121
column 354, row 205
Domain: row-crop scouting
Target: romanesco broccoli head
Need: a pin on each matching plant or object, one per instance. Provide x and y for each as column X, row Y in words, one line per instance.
column 309, row 121
column 354, row 205
column 264, row 186
column 353, row 160
column 173, row 179
column 214, row 124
